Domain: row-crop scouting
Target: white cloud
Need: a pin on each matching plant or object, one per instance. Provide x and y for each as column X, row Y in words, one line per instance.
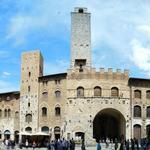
column 114, row 23
column 41, row 15
column 58, row 66
column 144, row 28
column 6, row 73
column 20, row 26
column 141, row 56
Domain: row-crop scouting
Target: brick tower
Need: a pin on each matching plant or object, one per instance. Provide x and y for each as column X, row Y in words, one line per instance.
column 31, row 69
column 80, row 38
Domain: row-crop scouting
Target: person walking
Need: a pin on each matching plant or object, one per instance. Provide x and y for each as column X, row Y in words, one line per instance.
column 26, row 143
column 116, row 144
column 127, row 144
column 98, row 145
column 72, row 143
column 132, row 144
column 83, row 145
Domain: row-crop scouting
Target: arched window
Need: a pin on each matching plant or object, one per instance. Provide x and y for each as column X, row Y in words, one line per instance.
column 28, row 129
column 9, row 113
column 44, row 111
column 148, row 94
column 0, row 134
column 137, row 111
column 45, row 129
column 57, row 93
column 29, row 88
column 80, row 10
column 28, row 118
column 5, row 113
column 148, row 112
column 148, row 130
column 16, row 114
column 137, row 94
column 7, row 134
column 80, row 92
column 114, row 92
column 137, row 131
column 57, row 130
column 0, row 113
column 29, row 74
column 97, row 91
column 57, row 111
column 45, row 94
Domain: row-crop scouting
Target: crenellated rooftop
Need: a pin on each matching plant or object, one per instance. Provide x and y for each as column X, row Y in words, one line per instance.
column 109, row 73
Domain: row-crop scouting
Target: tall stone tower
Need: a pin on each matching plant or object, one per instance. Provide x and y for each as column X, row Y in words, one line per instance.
column 31, row 69
column 80, row 38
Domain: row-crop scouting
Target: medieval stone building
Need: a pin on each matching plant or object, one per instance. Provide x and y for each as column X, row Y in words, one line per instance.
column 80, row 103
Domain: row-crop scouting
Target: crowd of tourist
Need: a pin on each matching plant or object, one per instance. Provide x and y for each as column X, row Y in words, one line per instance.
column 63, row 144
column 60, row 144
column 7, row 144
column 132, row 144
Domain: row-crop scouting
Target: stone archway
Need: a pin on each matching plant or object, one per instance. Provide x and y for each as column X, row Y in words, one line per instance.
column 7, row 134
column 109, row 123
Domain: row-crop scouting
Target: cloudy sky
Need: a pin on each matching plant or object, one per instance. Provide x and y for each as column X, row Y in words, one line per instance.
column 120, row 35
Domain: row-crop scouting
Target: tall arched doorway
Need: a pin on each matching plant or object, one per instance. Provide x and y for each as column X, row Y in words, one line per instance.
column 109, row 123
column 137, row 131
column 148, row 131
column 16, row 136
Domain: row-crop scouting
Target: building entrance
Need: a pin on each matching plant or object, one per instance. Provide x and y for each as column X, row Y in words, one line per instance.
column 109, row 123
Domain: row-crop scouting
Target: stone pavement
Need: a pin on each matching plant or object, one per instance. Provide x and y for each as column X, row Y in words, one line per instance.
column 77, row 148
column 111, row 147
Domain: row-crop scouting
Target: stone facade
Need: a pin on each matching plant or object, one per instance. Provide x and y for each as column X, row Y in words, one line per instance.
column 72, row 104
column 9, row 114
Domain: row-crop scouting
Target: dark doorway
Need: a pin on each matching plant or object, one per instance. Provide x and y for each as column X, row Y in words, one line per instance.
column 57, row 136
column 108, row 123
column 80, row 135
column 7, row 134
column 137, row 131
column 16, row 133
column 148, row 131
column 57, row 132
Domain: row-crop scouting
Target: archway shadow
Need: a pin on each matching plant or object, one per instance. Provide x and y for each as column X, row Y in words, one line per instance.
column 109, row 123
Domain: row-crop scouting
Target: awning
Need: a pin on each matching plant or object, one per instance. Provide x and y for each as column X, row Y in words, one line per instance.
column 25, row 133
column 41, row 133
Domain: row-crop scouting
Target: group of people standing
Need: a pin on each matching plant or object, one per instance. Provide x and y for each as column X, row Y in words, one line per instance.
column 7, row 144
column 132, row 144
column 135, row 144
column 62, row 144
